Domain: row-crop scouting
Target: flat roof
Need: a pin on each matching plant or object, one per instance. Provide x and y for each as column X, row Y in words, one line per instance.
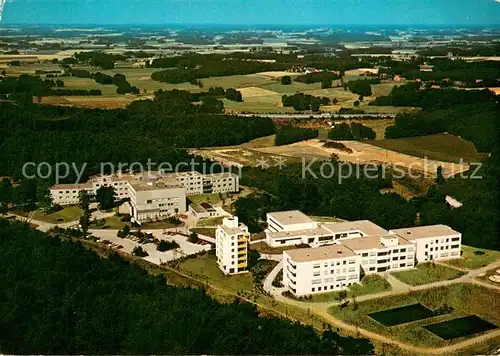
column 144, row 185
column 365, row 226
column 371, row 242
column 320, row 253
column 319, row 231
column 290, row 217
column 71, row 186
column 422, row 232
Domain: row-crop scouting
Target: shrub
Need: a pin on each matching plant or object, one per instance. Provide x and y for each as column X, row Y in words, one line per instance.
column 167, row 245
column 138, row 251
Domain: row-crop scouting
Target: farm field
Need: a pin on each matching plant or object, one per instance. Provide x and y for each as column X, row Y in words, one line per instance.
column 442, row 147
column 426, row 273
column 446, row 303
column 261, row 91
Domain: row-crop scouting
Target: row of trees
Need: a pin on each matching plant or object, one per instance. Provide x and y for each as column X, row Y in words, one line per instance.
column 302, row 102
column 411, row 95
column 214, row 68
column 362, row 87
column 32, row 86
column 155, row 130
column 290, row 134
column 352, row 131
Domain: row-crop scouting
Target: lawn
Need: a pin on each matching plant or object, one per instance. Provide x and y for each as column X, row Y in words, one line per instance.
column 463, row 299
column 426, row 273
column 402, row 315
column 369, row 285
column 207, row 231
column 113, row 223
column 473, row 258
column 441, row 147
column 263, row 247
column 460, row 327
column 162, row 224
column 67, row 214
column 236, row 81
column 205, row 267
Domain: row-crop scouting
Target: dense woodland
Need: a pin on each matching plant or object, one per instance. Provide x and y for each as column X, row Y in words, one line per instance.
column 26, row 86
column 455, row 70
column 411, row 95
column 147, row 129
column 290, row 134
column 302, row 102
column 59, row 298
column 353, row 131
column 362, row 86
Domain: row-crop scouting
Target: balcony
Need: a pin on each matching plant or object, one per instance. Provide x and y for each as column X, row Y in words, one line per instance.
column 242, row 251
column 242, row 265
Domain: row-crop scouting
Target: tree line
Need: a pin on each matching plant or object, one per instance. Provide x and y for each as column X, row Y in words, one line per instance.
column 352, row 131
column 289, row 134
column 27, row 86
column 158, row 130
column 48, row 311
column 302, row 102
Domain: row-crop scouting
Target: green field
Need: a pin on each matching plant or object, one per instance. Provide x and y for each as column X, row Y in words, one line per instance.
column 207, row 231
column 441, row 147
column 205, row 267
column 451, row 302
column 402, row 315
column 67, row 214
column 473, row 258
column 426, row 273
column 460, row 327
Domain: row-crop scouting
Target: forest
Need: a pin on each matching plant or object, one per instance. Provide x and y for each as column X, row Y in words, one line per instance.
column 156, row 130
column 410, row 95
column 289, row 134
column 59, row 298
column 302, row 102
column 353, row 131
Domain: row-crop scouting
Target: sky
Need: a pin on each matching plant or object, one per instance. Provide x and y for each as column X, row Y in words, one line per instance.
column 254, row 12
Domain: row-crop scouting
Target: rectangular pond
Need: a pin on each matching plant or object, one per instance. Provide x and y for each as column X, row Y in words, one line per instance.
column 402, row 315
column 460, row 327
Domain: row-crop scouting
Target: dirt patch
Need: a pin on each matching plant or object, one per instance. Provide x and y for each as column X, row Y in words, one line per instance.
column 364, row 153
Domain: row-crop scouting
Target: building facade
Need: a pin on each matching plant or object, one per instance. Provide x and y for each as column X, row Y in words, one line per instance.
column 231, row 246
column 318, row 270
column 152, row 195
column 156, row 199
column 366, row 247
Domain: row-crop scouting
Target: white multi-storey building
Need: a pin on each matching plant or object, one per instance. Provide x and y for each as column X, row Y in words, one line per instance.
column 377, row 249
column 288, row 228
column 315, row 270
column 231, row 246
column 152, row 195
column 156, row 199
column 382, row 253
column 433, row 242
column 193, row 182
